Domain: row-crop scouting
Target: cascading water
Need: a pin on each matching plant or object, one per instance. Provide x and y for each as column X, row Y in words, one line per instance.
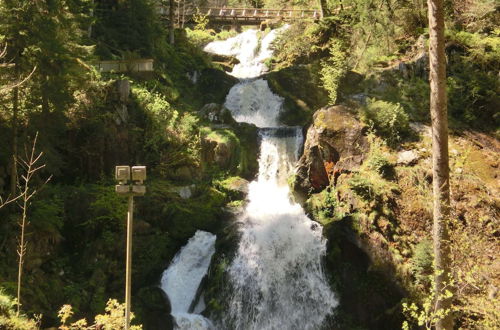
column 183, row 277
column 276, row 278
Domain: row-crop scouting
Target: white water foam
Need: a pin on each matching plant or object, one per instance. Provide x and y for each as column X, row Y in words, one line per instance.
column 181, row 279
column 276, row 278
column 249, row 49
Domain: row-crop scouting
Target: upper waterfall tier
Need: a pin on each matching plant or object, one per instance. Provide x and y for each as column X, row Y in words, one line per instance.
column 249, row 48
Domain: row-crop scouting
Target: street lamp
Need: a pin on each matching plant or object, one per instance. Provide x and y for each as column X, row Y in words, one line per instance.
column 123, row 175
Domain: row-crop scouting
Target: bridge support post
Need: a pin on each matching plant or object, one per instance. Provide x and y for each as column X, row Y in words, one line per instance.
column 235, row 25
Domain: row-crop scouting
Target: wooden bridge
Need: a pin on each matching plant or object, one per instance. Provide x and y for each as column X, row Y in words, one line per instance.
column 242, row 16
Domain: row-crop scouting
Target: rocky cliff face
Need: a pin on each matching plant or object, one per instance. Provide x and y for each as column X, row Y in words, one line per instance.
column 335, row 143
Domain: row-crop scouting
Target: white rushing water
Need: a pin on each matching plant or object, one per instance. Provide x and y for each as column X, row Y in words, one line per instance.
column 181, row 280
column 250, row 100
column 276, row 278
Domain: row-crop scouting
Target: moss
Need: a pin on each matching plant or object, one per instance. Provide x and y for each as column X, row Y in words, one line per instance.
column 300, row 86
column 325, row 206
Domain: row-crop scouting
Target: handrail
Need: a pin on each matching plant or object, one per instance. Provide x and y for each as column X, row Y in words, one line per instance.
column 248, row 12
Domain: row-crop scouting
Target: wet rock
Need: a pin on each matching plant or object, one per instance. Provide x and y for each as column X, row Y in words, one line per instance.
column 214, row 85
column 407, row 157
column 219, row 148
column 235, row 187
column 185, row 192
column 216, row 113
column 335, row 143
column 184, row 173
column 155, row 308
column 226, row 59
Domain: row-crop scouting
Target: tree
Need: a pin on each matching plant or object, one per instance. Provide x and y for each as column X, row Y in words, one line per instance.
column 31, row 165
column 440, row 161
column 171, row 21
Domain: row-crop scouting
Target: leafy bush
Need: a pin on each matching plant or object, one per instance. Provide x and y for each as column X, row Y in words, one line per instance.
column 388, row 119
column 112, row 319
column 333, row 69
column 422, row 261
column 200, row 38
column 380, row 164
column 170, row 137
column 325, row 206
column 298, row 43
column 9, row 320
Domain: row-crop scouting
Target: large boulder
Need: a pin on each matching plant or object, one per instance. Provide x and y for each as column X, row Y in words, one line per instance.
column 214, row 85
column 232, row 149
column 217, row 113
column 335, row 143
column 299, row 86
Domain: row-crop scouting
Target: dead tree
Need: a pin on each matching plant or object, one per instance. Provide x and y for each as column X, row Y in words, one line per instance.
column 30, row 165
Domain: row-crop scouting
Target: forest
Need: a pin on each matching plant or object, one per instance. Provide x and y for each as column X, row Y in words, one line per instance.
column 352, row 85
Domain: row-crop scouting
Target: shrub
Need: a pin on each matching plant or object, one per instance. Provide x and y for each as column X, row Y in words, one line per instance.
column 8, row 318
column 422, row 261
column 388, row 119
column 380, row 164
column 333, row 69
column 200, row 38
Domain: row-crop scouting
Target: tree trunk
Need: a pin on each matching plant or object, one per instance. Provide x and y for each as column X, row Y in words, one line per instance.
column 323, row 7
column 440, row 162
column 15, row 110
column 171, row 20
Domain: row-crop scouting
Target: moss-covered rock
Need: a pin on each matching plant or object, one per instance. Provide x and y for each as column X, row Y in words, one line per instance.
column 335, row 143
column 300, row 86
column 235, row 187
column 214, row 85
column 231, row 149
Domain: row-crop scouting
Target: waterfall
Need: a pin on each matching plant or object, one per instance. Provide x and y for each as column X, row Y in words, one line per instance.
column 181, row 280
column 276, row 278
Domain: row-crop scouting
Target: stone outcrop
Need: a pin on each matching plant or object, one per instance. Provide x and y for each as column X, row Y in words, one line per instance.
column 298, row 85
column 213, row 85
column 217, row 114
column 335, row 143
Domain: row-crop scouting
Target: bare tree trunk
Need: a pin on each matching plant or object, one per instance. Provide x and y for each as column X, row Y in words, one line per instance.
column 440, row 161
column 171, row 20
column 30, row 166
column 15, row 110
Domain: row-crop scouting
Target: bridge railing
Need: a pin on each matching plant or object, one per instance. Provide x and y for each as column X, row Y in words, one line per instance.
column 260, row 13
column 247, row 13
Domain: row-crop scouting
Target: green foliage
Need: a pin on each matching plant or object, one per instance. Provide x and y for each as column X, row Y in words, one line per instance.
column 299, row 43
column 381, row 29
column 47, row 216
column 165, row 126
column 325, row 206
column 112, row 319
column 200, row 38
column 8, row 318
column 127, row 26
column 388, row 119
column 333, row 70
column 426, row 314
column 200, row 20
column 379, row 163
column 107, row 210
column 422, row 261
column 472, row 83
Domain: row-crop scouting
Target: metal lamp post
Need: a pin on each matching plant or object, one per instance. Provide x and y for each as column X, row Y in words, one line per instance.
column 124, row 174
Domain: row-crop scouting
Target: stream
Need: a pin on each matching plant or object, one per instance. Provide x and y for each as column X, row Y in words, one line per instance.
column 276, row 278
